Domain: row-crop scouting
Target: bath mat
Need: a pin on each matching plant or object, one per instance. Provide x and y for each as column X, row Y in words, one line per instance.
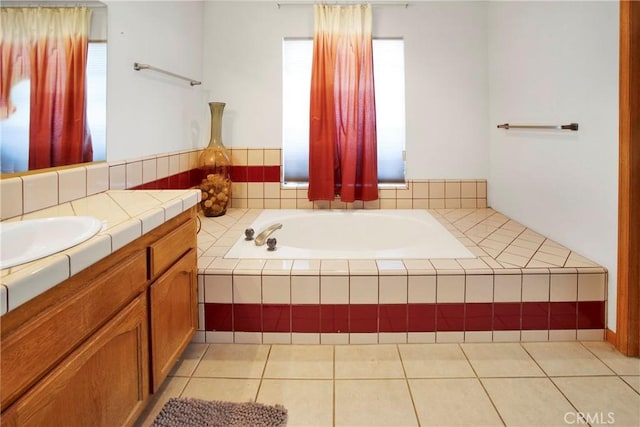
column 183, row 412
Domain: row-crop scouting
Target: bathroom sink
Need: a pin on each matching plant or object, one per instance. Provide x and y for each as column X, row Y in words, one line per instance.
column 28, row 240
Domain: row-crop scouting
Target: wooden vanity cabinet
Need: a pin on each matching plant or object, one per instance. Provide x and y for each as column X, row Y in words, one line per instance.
column 173, row 308
column 91, row 350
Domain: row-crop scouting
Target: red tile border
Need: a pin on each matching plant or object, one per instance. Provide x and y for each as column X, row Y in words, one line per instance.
column 450, row 317
column 421, row 317
column 218, row 317
column 247, row 317
column 305, row 318
column 239, row 174
column 563, row 315
column 363, row 318
column 507, row 316
column 255, row 174
column 535, row 316
column 392, row 318
column 478, row 316
column 271, row 173
column 591, row 314
column 193, row 178
column 372, row 318
column 276, row 318
column 334, row 318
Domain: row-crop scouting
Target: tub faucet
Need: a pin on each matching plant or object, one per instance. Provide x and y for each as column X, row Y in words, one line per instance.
column 262, row 237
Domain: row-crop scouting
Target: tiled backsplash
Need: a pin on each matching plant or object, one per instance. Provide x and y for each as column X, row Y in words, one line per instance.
column 256, row 176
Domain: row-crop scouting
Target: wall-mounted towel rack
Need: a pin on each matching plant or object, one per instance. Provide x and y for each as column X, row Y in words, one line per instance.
column 137, row 66
column 570, row 126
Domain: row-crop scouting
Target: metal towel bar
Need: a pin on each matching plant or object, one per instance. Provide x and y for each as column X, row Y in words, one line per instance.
column 571, row 126
column 137, row 66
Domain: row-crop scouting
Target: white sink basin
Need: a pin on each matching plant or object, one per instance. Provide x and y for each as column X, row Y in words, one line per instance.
column 28, row 240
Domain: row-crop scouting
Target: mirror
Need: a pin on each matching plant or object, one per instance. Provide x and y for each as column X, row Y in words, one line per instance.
column 19, row 153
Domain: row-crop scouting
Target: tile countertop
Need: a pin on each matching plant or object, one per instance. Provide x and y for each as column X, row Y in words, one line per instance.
column 126, row 215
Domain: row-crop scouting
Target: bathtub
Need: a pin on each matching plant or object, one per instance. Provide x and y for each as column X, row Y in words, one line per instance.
column 351, row 234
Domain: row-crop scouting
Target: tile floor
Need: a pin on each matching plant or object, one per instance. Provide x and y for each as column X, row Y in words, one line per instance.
column 469, row 384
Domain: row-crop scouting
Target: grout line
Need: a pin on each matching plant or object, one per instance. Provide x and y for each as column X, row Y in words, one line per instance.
column 620, row 376
column 264, row 368
column 333, row 384
column 406, row 379
column 477, row 377
column 546, row 375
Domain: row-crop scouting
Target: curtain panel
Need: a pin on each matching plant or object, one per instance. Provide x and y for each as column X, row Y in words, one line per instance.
column 48, row 46
column 342, row 128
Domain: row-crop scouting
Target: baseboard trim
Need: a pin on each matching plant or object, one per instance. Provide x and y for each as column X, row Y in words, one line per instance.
column 611, row 337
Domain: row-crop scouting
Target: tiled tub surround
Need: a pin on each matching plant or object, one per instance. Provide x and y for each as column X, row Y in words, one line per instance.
column 126, row 216
column 256, row 175
column 521, row 287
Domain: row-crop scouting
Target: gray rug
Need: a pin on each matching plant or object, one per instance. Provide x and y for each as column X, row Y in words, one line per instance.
column 182, row 412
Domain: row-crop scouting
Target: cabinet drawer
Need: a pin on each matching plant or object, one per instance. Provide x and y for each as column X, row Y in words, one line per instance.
column 33, row 349
column 168, row 249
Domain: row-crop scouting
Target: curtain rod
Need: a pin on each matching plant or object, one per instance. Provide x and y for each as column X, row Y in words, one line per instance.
column 342, row 3
column 62, row 3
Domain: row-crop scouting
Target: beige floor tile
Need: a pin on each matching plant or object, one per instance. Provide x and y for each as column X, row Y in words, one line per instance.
column 452, row 402
column 308, row 402
column 233, row 361
column 528, row 401
column 608, row 398
column 233, row 390
column 621, row 364
column 633, row 381
column 367, row 361
column 172, row 387
column 434, row 361
column 189, row 360
column 300, row 361
column 501, row 360
column 373, row 403
column 566, row 359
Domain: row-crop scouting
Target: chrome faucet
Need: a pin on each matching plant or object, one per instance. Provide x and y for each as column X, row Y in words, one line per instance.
column 262, row 237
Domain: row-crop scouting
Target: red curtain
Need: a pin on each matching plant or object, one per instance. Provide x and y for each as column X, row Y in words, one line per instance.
column 342, row 130
column 55, row 41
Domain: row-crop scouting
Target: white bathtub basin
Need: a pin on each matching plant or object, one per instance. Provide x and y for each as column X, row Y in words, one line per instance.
column 352, row 234
column 28, row 240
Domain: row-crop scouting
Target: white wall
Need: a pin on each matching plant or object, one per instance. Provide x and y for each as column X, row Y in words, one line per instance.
column 149, row 113
column 446, row 77
column 556, row 63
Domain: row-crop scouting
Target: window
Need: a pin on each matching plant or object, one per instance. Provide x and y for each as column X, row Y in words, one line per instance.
column 15, row 129
column 388, row 71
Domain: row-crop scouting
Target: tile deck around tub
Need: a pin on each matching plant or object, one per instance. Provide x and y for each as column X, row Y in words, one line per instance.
column 521, row 287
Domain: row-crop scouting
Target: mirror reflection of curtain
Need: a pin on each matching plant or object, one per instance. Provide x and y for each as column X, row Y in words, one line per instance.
column 342, row 130
column 49, row 47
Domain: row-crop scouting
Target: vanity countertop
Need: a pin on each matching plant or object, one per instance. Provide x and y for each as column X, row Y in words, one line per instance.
column 126, row 215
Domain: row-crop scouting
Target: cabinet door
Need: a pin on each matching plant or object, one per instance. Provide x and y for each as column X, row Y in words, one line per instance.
column 39, row 345
column 173, row 306
column 102, row 383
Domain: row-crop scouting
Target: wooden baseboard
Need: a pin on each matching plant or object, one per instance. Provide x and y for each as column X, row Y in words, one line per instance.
column 611, row 337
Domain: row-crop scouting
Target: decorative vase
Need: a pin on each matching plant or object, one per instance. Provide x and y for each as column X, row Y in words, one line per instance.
column 215, row 166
